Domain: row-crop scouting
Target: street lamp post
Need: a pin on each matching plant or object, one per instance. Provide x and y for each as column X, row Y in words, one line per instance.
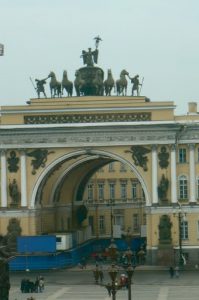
column 180, row 238
column 113, row 251
column 114, row 287
column 129, row 271
column 181, row 216
column 111, row 202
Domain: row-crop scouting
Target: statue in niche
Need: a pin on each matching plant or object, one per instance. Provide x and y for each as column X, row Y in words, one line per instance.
column 165, row 230
column 163, row 156
column 13, row 162
column 14, row 192
column 14, row 230
column 163, row 188
column 40, row 158
column 139, row 156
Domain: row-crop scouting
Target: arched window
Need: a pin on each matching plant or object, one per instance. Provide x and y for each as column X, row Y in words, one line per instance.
column 183, row 187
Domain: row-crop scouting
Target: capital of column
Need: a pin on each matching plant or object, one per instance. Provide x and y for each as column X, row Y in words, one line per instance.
column 191, row 146
column 154, row 147
column 173, row 147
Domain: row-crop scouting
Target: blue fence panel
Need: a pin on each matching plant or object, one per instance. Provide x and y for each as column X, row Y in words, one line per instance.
column 60, row 259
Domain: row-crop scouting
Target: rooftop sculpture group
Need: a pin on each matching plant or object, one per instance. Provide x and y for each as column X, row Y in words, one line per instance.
column 89, row 80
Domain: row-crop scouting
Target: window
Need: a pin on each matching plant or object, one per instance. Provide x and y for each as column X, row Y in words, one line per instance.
column 101, row 223
column 135, row 222
column 119, row 220
column 100, row 191
column 112, row 191
column 144, row 219
column 184, row 230
column 123, row 190
column 182, row 155
column 90, row 191
column 122, row 167
column 183, row 189
column 111, row 167
column 134, row 190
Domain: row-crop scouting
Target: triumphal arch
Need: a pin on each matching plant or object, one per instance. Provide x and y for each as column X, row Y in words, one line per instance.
column 51, row 147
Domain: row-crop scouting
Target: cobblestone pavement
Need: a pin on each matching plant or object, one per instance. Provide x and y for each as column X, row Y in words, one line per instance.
column 76, row 284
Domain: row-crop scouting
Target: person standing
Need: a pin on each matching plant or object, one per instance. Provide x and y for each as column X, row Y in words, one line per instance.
column 177, row 274
column 171, row 271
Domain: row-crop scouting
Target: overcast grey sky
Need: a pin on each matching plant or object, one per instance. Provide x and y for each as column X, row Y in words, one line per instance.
column 157, row 39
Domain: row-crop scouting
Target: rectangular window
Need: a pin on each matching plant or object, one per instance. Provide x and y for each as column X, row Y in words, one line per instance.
column 119, row 220
column 111, row 167
column 184, row 230
column 100, row 191
column 101, row 223
column 123, row 191
column 182, row 155
column 112, row 191
column 134, row 190
column 90, row 192
column 135, row 222
column 122, row 167
column 183, row 190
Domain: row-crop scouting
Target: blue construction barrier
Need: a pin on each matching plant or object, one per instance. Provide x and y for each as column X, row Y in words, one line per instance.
column 62, row 259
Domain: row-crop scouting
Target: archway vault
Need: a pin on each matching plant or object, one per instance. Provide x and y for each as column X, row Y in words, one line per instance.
column 93, row 159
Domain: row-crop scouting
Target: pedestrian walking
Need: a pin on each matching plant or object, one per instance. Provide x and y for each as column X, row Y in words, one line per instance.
column 177, row 274
column 37, row 285
column 101, row 275
column 171, row 272
column 41, row 284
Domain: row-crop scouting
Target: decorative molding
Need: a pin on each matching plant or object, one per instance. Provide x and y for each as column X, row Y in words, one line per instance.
column 87, row 118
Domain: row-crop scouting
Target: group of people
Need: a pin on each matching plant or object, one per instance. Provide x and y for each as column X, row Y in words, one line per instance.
column 28, row 286
column 174, row 272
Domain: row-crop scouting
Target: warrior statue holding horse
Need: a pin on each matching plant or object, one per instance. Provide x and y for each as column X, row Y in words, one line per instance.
column 55, row 86
column 98, row 83
column 67, row 85
column 121, row 84
column 79, row 83
column 109, row 83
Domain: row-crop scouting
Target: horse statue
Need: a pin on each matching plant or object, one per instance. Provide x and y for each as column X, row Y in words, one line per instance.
column 79, row 83
column 66, row 84
column 55, row 86
column 98, row 83
column 109, row 83
column 121, row 84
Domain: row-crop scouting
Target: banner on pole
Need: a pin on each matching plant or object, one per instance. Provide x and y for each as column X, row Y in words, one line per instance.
column 1, row 49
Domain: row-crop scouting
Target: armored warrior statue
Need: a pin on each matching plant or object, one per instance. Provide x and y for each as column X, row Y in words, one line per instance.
column 90, row 57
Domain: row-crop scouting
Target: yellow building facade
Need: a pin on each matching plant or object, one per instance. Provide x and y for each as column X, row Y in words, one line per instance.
column 53, row 149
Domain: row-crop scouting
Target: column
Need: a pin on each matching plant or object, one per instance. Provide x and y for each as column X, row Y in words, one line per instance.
column 192, row 176
column 4, row 200
column 154, row 176
column 23, row 179
column 173, row 175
